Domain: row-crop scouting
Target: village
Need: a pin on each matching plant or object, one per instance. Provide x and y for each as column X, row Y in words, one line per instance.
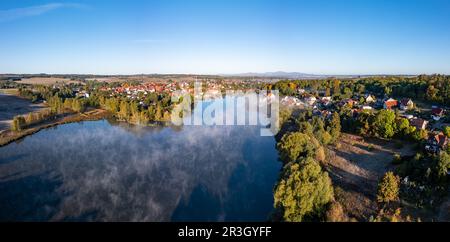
column 432, row 119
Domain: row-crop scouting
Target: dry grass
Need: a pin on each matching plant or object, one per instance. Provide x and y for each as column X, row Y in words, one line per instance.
column 356, row 166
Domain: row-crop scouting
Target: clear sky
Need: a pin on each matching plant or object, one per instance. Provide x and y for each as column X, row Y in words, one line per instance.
column 225, row 36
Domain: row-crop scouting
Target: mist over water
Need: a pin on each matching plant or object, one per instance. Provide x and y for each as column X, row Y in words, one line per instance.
column 107, row 171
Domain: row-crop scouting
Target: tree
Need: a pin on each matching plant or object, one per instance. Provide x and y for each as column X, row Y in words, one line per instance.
column 447, row 131
column 442, row 166
column 30, row 119
column 335, row 127
column 327, row 92
column 403, row 127
column 158, row 113
column 68, row 103
column 388, row 188
column 18, row 123
column 77, row 106
column 294, row 145
column 124, row 110
column 420, row 134
column 384, row 124
column 336, row 87
column 304, row 191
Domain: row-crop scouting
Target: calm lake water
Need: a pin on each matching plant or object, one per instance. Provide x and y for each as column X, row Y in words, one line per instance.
column 106, row 171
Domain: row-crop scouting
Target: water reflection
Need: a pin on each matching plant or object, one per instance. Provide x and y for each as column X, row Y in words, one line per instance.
column 105, row 171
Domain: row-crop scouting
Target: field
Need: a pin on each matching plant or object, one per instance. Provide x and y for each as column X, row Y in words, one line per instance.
column 11, row 105
column 46, row 80
column 356, row 167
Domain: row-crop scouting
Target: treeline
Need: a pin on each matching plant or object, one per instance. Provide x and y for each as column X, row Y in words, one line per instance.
column 56, row 106
column 433, row 88
column 384, row 124
column 155, row 107
column 44, row 93
column 304, row 191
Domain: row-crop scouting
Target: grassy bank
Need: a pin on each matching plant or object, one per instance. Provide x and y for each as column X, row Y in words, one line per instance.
column 7, row 136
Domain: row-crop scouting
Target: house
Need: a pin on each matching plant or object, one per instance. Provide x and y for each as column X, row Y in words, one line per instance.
column 390, row 103
column 326, row 101
column 369, row 98
column 406, row 104
column 437, row 113
column 436, row 142
column 419, row 123
column 366, row 107
column 310, row 100
column 349, row 102
column 408, row 116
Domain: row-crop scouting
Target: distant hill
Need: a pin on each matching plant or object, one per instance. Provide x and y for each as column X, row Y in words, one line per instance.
column 277, row 74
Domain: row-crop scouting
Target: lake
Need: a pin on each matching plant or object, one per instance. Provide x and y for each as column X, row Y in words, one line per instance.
column 110, row 171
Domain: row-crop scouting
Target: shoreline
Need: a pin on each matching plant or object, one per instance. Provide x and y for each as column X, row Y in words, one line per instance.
column 8, row 136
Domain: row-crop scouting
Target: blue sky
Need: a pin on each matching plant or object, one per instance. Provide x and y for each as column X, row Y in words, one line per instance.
column 225, row 36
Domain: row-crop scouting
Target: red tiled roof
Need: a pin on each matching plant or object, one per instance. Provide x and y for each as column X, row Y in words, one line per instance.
column 437, row 111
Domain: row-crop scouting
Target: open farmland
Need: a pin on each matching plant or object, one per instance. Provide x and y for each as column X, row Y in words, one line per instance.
column 11, row 105
column 46, row 81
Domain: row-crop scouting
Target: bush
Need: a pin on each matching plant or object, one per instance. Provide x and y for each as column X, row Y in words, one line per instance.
column 397, row 159
column 335, row 213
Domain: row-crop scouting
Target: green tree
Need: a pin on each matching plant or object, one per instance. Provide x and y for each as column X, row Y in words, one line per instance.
column 388, row 188
column 447, row 131
column 442, row 166
column 336, row 87
column 158, row 112
column 77, row 106
column 293, row 145
column 18, row 123
column 420, row 134
column 335, row 127
column 384, row 124
column 68, row 103
column 124, row 110
column 403, row 127
column 304, row 191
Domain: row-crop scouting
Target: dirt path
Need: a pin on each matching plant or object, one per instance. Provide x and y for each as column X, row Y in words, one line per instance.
column 356, row 166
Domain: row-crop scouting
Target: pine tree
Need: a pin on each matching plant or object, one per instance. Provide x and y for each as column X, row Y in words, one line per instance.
column 388, row 188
